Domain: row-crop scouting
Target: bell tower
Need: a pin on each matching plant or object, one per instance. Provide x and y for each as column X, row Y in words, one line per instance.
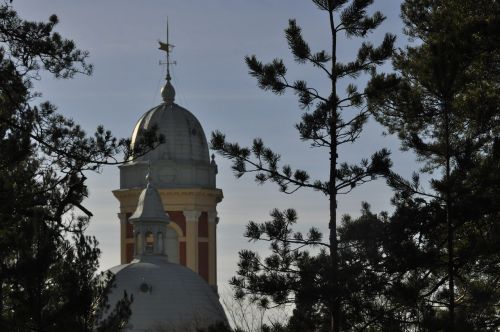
column 184, row 175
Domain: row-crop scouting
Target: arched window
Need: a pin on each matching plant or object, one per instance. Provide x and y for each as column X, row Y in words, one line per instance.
column 150, row 243
column 159, row 243
column 172, row 245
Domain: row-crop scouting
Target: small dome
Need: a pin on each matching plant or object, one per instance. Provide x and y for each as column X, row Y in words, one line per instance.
column 184, row 136
column 167, row 295
column 149, row 208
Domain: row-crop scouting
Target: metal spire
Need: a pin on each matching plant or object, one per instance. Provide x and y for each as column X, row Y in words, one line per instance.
column 168, row 91
column 167, row 47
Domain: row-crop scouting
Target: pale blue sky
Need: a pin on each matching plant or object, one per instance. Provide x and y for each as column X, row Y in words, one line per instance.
column 211, row 80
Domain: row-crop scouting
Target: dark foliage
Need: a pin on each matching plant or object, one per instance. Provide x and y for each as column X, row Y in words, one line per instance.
column 443, row 103
column 48, row 266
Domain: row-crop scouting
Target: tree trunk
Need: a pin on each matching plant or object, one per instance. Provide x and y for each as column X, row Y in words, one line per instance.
column 335, row 309
column 449, row 222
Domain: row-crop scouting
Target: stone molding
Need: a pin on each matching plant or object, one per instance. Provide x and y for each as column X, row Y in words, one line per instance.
column 172, row 199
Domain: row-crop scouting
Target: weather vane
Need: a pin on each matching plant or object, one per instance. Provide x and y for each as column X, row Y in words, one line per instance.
column 167, row 48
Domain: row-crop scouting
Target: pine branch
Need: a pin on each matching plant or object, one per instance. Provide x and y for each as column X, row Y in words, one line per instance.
column 265, row 164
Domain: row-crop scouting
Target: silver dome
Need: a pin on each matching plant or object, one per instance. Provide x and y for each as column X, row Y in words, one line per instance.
column 181, row 162
column 166, row 295
column 184, row 136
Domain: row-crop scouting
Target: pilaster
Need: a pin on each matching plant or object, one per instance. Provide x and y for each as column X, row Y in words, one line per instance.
column 123, row 233
column 192, row 217
column 212, row 248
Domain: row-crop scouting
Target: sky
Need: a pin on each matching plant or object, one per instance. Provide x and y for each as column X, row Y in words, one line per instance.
column 211, row 39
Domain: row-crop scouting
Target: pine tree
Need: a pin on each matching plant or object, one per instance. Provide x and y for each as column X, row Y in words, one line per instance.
column 48, row 266
column 401, row 263
column 290, row 274
column 443, row 104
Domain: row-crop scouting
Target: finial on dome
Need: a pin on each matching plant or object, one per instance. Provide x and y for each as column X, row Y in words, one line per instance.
column 168, row 91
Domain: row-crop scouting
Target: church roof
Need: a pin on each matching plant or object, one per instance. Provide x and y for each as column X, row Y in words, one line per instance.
column 167, row 295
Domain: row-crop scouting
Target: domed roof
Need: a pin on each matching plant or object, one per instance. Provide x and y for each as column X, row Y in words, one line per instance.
column 184, row 136
column 182, row 161
column 165, row 294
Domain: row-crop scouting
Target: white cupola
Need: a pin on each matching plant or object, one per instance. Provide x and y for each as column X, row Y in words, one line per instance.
column 150, row 223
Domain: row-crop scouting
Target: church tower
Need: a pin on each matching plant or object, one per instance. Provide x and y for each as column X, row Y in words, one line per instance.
column 185, row 178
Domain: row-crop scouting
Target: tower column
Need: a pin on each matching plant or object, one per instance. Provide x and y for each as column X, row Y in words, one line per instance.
column 212, row 248
column 192, row 238
column 123, row 236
